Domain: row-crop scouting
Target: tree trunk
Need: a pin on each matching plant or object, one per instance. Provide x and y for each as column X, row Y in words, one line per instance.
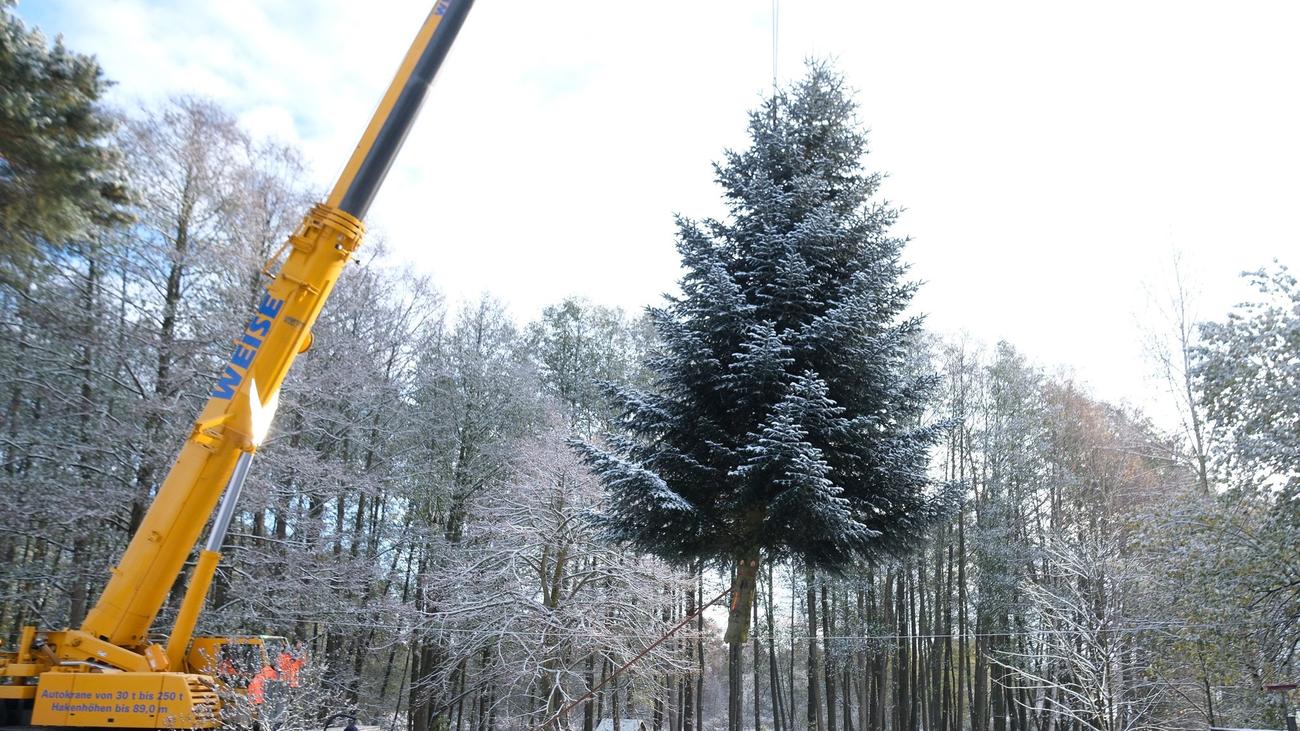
column 774, row 671
column 699, row 628
column 757, row 653
column 735, row 687
column 688, row 686
column 743, row 582
column 828, row 660
column 589, row 708
column 815, row 719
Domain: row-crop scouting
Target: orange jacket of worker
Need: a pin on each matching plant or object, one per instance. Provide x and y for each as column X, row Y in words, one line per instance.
column 257, row 686
column 289, row 665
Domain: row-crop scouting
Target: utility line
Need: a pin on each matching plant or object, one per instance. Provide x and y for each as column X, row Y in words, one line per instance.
column 562, row 634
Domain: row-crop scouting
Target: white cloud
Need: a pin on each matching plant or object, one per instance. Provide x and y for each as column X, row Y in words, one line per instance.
column 271, row 123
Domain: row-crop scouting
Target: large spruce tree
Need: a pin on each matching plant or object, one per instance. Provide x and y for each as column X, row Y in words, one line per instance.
column 783, row 419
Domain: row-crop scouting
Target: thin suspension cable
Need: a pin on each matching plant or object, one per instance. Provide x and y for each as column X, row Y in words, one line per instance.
column 776, row 8
column 1154, row 626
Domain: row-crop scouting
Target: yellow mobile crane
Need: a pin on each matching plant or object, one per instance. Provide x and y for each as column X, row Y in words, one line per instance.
column 109, row 672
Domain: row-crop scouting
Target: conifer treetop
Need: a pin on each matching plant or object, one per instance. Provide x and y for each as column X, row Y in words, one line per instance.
column 783, row 418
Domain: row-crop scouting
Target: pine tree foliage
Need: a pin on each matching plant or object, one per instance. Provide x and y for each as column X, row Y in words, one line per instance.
column 57, row 177
column 782, row 418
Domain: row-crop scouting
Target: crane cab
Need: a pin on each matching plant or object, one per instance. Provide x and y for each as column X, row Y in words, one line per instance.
column 250, row 673
column 234, row 660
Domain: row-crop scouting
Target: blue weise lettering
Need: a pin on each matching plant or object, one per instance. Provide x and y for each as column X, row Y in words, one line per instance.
column 228, row 383
column 269, row 306
column 259, row 326
column 242, row 357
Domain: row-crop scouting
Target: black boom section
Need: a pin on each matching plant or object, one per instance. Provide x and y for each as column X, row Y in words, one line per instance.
column 370, row 175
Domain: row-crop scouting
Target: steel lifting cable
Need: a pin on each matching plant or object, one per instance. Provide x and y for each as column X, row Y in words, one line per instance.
column 775, row 26
column 565, row 710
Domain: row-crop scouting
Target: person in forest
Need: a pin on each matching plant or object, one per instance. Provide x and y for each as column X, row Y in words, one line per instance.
column 270, row 693
column 257, row 687
column 290, row 662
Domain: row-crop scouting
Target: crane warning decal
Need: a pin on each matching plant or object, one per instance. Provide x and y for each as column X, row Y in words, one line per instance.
column 246, row 347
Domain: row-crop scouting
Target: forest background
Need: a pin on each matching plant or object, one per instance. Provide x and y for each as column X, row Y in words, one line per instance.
column 421, row 522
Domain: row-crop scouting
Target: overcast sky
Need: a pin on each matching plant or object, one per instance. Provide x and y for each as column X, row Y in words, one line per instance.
column 1050, row 157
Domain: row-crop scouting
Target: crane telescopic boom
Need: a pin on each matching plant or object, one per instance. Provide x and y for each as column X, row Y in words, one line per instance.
column 233, row 423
